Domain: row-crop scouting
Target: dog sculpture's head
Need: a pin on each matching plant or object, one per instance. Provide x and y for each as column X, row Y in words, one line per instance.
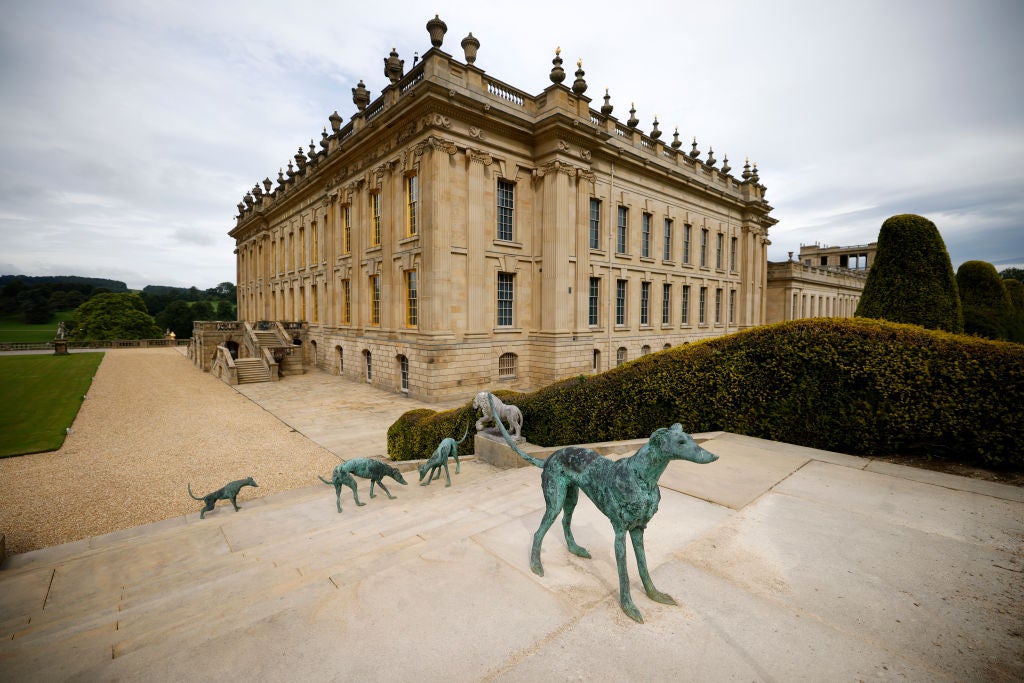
column 423, row 470
column 251, row 482
column 396, row 475
column 676, row 444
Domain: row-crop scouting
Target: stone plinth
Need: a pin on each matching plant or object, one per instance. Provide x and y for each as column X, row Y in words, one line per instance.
column 60, row 347
column 492, row 449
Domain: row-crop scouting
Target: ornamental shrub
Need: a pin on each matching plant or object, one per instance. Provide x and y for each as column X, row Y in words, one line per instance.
column 911, row 280
column 864, row 387
column 987, row 308
column 1015, row 291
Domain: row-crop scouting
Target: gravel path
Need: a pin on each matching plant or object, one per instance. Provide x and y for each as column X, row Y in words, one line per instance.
column 151, row 424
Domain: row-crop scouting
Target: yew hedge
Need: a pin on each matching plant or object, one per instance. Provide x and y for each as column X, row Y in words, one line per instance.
column 852, row 385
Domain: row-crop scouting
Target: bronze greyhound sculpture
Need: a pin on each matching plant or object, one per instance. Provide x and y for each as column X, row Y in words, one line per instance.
column 448, row 448
column 625, row 490
column 367, row 468
column 227, row 492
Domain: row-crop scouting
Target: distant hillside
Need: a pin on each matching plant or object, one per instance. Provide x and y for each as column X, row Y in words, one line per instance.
column 31, row 280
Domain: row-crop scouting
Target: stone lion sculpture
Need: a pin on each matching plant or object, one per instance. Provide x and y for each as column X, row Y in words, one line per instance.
column 512, row 416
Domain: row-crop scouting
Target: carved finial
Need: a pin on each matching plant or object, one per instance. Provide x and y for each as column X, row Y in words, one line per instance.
column 655, row 133
column 436, row 28
column 257, row 192
column 335, row 120
column 360, row 95
column 394, row 67
column 579, row 86
column 267, row 184
column 324, row 137
column 711, row 157
column 312, row 152
column 291, row 170
column 241, row 209
column 280, row 176
column 249, row 200
column 676, row 142
column 606, row 108
column 470, row 45
column 694, row 153
column 725, row 165
column 633, row 120
column 753, row 175
column 746, row 169
column 300, row 160
column 557, row 72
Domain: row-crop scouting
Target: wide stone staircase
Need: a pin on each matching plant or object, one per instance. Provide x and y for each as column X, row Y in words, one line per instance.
column 129, row 604
column 252, row 370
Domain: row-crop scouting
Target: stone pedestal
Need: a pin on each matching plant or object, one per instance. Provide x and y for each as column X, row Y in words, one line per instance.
column 492, row 449
column 60, row 347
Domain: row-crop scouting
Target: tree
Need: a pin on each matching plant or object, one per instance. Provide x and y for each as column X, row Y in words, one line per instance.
column 225, row 310
column 911, row 280
column 34, row 306
column 114, row 316
column 987, row 308
column 177, row 317
column 1012, row 274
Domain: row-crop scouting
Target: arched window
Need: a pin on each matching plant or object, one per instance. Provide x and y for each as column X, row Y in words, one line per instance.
column 369, row 365
column 620, row 356
column 597, row 360
column 507, row 366
column 644, row 350
column 341, row 359
column 403, row 368
column 667, row 346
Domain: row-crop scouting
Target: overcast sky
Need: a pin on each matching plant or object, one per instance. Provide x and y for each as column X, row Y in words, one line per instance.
column 130, row 130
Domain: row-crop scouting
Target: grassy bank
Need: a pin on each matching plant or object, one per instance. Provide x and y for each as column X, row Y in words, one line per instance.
column 13, row 330
column 39, row 398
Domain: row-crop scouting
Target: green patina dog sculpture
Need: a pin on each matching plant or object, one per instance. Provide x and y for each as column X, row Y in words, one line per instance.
column 448, row 448
column 367, row 468
column 625, row 490
column 227, row 492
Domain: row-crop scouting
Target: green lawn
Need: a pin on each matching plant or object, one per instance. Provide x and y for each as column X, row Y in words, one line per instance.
column 40, row 395
column 13, row 330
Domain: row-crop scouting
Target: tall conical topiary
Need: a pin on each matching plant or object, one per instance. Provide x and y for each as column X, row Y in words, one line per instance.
column 911, row 280
column 987, row 308
column 1015, row 290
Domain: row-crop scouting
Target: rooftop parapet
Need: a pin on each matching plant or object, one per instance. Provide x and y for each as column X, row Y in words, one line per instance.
column 465, row 79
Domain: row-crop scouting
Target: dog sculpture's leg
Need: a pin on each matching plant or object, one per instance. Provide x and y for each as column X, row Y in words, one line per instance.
column 625, row 599
column 447, row 475
column 384, row 488
column 554, row 499
column 235, row 504
column 355, row 494
column 372, row 494
column 637, row 536
column 455, row 453
column 572, row 495
column 337, row 493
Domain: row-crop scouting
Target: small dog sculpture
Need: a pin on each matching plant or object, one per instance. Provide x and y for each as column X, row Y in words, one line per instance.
column 625, row 490
column 493, row 409
column 227, row 492
column 448, row 447
column 367, row 468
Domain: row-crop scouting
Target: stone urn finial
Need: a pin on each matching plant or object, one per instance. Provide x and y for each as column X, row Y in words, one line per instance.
column 394, row 67
column 711, row 157
column 655, row 133
column 676, row 142
column 746, row 170
column 694, row 153
column 753, row 176
column 436, row 28
column 606, row 108
column 324, row 137
column 267, row 184
column 632, row 120
column 579, row 86
column 249, row 200
column 557, row 72
column 725, row 165
column 280, row 176
column 300, row 159
column 360, row 96
column 470, row 45
column 335, row 120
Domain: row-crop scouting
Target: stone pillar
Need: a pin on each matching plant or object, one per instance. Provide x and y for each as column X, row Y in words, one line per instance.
column 435, row 306
column 557, row 236
column 478, row 234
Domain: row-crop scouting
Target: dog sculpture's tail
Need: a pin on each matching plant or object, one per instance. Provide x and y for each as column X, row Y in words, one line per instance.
column 465, row 433
column 329, row 483
column 192, row 494
column 508, row 439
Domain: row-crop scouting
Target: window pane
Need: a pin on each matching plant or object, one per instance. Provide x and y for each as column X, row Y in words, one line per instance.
column 505, row 286
column 506, row 203
column 595, row 224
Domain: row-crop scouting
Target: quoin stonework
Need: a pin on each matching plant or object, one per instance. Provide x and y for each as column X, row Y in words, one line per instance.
column 457, row 233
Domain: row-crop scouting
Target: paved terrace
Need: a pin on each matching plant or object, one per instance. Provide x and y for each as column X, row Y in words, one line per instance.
column 787, row 563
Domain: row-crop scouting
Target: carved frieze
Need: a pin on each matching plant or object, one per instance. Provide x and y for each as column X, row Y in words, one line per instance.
column 436, row 120
column 477, row 133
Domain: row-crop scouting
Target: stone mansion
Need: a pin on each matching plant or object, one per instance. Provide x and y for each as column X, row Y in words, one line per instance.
column 458, row 234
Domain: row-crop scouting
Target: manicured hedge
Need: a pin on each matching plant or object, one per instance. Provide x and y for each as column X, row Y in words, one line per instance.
column 418, row 432
column 858, row 386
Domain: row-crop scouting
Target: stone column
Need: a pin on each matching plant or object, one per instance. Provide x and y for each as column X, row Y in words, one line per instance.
column 436, row 238
column 557, row 236
column 478, row 234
